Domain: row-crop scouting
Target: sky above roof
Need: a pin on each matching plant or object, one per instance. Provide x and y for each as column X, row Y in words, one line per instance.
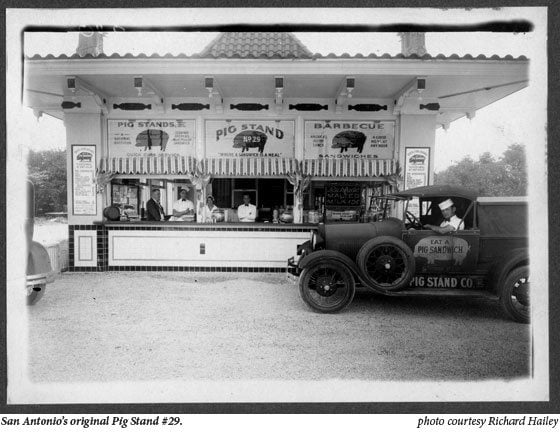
column 189, row 43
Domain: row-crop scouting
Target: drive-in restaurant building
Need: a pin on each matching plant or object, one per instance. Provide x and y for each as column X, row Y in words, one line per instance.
column 309, row 137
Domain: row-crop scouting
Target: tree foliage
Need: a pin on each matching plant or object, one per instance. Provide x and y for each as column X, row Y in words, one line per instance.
column 506, row 176
column 47, row 171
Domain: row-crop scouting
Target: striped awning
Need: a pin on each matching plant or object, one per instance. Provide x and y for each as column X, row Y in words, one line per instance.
column 154, row 165
column 352, row 167
column 249, row 166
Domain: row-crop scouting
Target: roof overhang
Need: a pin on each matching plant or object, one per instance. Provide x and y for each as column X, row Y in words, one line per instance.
column 460, row 86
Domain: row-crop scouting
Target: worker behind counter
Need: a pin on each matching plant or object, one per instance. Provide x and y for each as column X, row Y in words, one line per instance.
column 247, row 212
column 207, row 210
column 183, row 208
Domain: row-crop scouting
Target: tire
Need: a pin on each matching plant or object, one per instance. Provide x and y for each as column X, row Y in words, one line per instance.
column 515, row 295
column 386, row 263
column 327, row 286
column 35, row 294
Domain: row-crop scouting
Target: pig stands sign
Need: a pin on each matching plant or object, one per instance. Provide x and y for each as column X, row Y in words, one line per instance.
column 150, row 137
column 258, row 138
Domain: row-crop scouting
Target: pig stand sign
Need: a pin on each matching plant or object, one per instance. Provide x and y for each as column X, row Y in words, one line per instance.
column 442, row 252
column 349, row 139
column 255, row 138
column 150, row 137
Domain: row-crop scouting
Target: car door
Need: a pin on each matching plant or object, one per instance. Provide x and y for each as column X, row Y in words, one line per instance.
column 433, row 252
column 456, row 252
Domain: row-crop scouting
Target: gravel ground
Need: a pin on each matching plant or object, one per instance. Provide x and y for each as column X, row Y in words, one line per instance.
column 164, row 326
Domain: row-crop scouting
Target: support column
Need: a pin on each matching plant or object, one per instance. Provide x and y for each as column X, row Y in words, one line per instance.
column 417, row 131
column 85, row 245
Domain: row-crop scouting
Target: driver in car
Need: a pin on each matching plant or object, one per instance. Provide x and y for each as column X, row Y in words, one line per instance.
column 451, row 222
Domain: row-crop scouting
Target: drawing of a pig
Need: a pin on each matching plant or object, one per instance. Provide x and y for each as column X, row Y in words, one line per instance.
column 442, row 249
column 148, row 138
column 349, row 139
column 250, row 139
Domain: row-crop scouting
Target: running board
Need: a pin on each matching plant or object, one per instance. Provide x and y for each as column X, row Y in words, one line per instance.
column 442, row 293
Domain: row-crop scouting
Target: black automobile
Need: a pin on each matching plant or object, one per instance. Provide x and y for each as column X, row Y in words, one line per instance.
column 396, row 256
column 39, row 271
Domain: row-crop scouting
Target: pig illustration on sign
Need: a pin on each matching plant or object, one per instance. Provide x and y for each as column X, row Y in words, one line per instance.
column 442, row 249
column 250, row 139
column 349, row 139
column 148, row 138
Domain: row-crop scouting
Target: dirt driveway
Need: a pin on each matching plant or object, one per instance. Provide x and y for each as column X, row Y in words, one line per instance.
column 163, row 326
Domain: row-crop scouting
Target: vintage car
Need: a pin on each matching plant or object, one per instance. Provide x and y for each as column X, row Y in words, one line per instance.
column 393, row 256
column 39, row 271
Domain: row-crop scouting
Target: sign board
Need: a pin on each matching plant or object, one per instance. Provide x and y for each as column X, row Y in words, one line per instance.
column 417, row 165
column 343, row 195
column 441, row 253
column 150, row 137
column 349, row 139
column 252, row 138
column 84, row 196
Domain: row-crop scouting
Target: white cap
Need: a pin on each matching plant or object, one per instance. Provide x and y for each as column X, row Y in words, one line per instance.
column 446, row 204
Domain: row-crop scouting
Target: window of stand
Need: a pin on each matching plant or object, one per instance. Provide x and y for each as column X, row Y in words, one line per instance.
column 267, row 194
column 333, row 201
column 328, row 201
column 130, row 195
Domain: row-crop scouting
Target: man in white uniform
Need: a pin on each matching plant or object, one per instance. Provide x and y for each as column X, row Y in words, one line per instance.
column 451, row 222
column 182, row 207
column 247, row 212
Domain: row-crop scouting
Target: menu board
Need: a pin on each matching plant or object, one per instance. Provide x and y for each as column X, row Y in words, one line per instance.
column 84, row 196
column 349, row 139
column 150, row 137
column 343, row 195
column 417, row 163
column 249, row 138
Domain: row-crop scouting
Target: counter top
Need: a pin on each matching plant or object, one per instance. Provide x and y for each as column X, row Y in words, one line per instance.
column 211, row 226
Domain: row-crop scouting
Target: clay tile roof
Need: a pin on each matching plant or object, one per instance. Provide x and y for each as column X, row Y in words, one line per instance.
column 256, row 45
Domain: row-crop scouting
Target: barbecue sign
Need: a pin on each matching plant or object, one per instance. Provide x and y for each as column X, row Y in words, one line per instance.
column 150, row 137
column 349, row 139
column 264, row 138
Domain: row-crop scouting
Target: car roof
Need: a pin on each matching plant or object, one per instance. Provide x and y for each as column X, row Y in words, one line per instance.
column 503, row 200
column 438, row 191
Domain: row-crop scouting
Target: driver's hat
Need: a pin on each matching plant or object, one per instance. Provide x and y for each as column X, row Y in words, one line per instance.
column 446, row 204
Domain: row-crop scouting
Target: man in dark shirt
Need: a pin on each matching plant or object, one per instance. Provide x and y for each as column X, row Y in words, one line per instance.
column 154, row 208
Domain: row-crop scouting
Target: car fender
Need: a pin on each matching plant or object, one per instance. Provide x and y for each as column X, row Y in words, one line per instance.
column 38, row 261
column 322, row 255
column 505, row 265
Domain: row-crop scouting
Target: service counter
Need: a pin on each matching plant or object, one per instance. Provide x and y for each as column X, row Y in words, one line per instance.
column 191, row 246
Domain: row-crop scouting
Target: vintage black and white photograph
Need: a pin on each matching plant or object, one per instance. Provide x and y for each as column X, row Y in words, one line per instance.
column 277, row 205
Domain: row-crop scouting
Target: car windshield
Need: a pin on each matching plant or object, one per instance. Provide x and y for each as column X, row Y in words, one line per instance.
column 425, row 211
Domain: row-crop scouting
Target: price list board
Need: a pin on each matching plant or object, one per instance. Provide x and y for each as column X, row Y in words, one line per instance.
column 343, row 195
column 84, row 196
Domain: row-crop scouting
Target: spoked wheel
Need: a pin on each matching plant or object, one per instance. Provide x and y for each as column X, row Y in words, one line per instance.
column 514, row 295
column 327, row 287
column 387, row 264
